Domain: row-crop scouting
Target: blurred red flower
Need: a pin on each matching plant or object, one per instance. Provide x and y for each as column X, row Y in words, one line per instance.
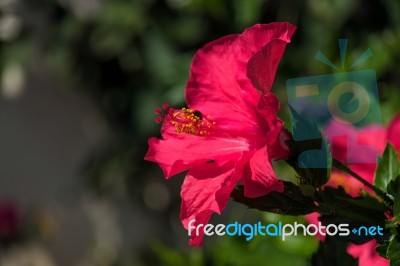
column 230, row 132
column 9, row 221
column 376, row 137
column 373, row 139
column 366, row 254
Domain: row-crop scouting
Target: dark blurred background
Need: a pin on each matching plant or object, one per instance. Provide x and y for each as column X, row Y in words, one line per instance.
column 80, row 80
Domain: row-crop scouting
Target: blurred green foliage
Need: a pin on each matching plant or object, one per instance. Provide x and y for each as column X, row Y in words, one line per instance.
column 296, row 250
column 131, row 56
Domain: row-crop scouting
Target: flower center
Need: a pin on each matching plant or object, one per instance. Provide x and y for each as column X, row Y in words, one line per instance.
column 187, row 121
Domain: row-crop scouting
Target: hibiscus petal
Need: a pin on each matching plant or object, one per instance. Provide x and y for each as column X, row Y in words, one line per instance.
column 259, row 176
column 177, row 154
column 253, row 39
column 357, row 147
column 275, row 138
column 366, row 254
column 267, row 108
column 313, row 218
column 394, row 132
column 267, row 44
column 262, row 67
column 213, row 90
column 261, row 48
column 279, row 148
column 218, row 84
column 206, row 190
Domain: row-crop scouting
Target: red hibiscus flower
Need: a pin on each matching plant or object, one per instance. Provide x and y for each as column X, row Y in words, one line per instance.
column 230, row 131
column 349, row 145
column 374, row 138
column 366, row 254
column 371, row 141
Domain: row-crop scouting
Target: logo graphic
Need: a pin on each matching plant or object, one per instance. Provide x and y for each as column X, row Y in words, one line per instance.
column 345, row 98
column 281, row 230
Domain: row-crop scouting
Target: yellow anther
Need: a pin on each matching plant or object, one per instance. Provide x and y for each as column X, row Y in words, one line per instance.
column 186, row 121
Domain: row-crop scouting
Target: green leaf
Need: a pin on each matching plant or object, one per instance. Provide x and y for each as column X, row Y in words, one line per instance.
column 382, row 249
column 388, row 168
column 394, row 189
column 335, row 205
column 290, row 202
column 393, row 252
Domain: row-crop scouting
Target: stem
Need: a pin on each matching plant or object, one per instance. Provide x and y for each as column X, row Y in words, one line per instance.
column 383, row 195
